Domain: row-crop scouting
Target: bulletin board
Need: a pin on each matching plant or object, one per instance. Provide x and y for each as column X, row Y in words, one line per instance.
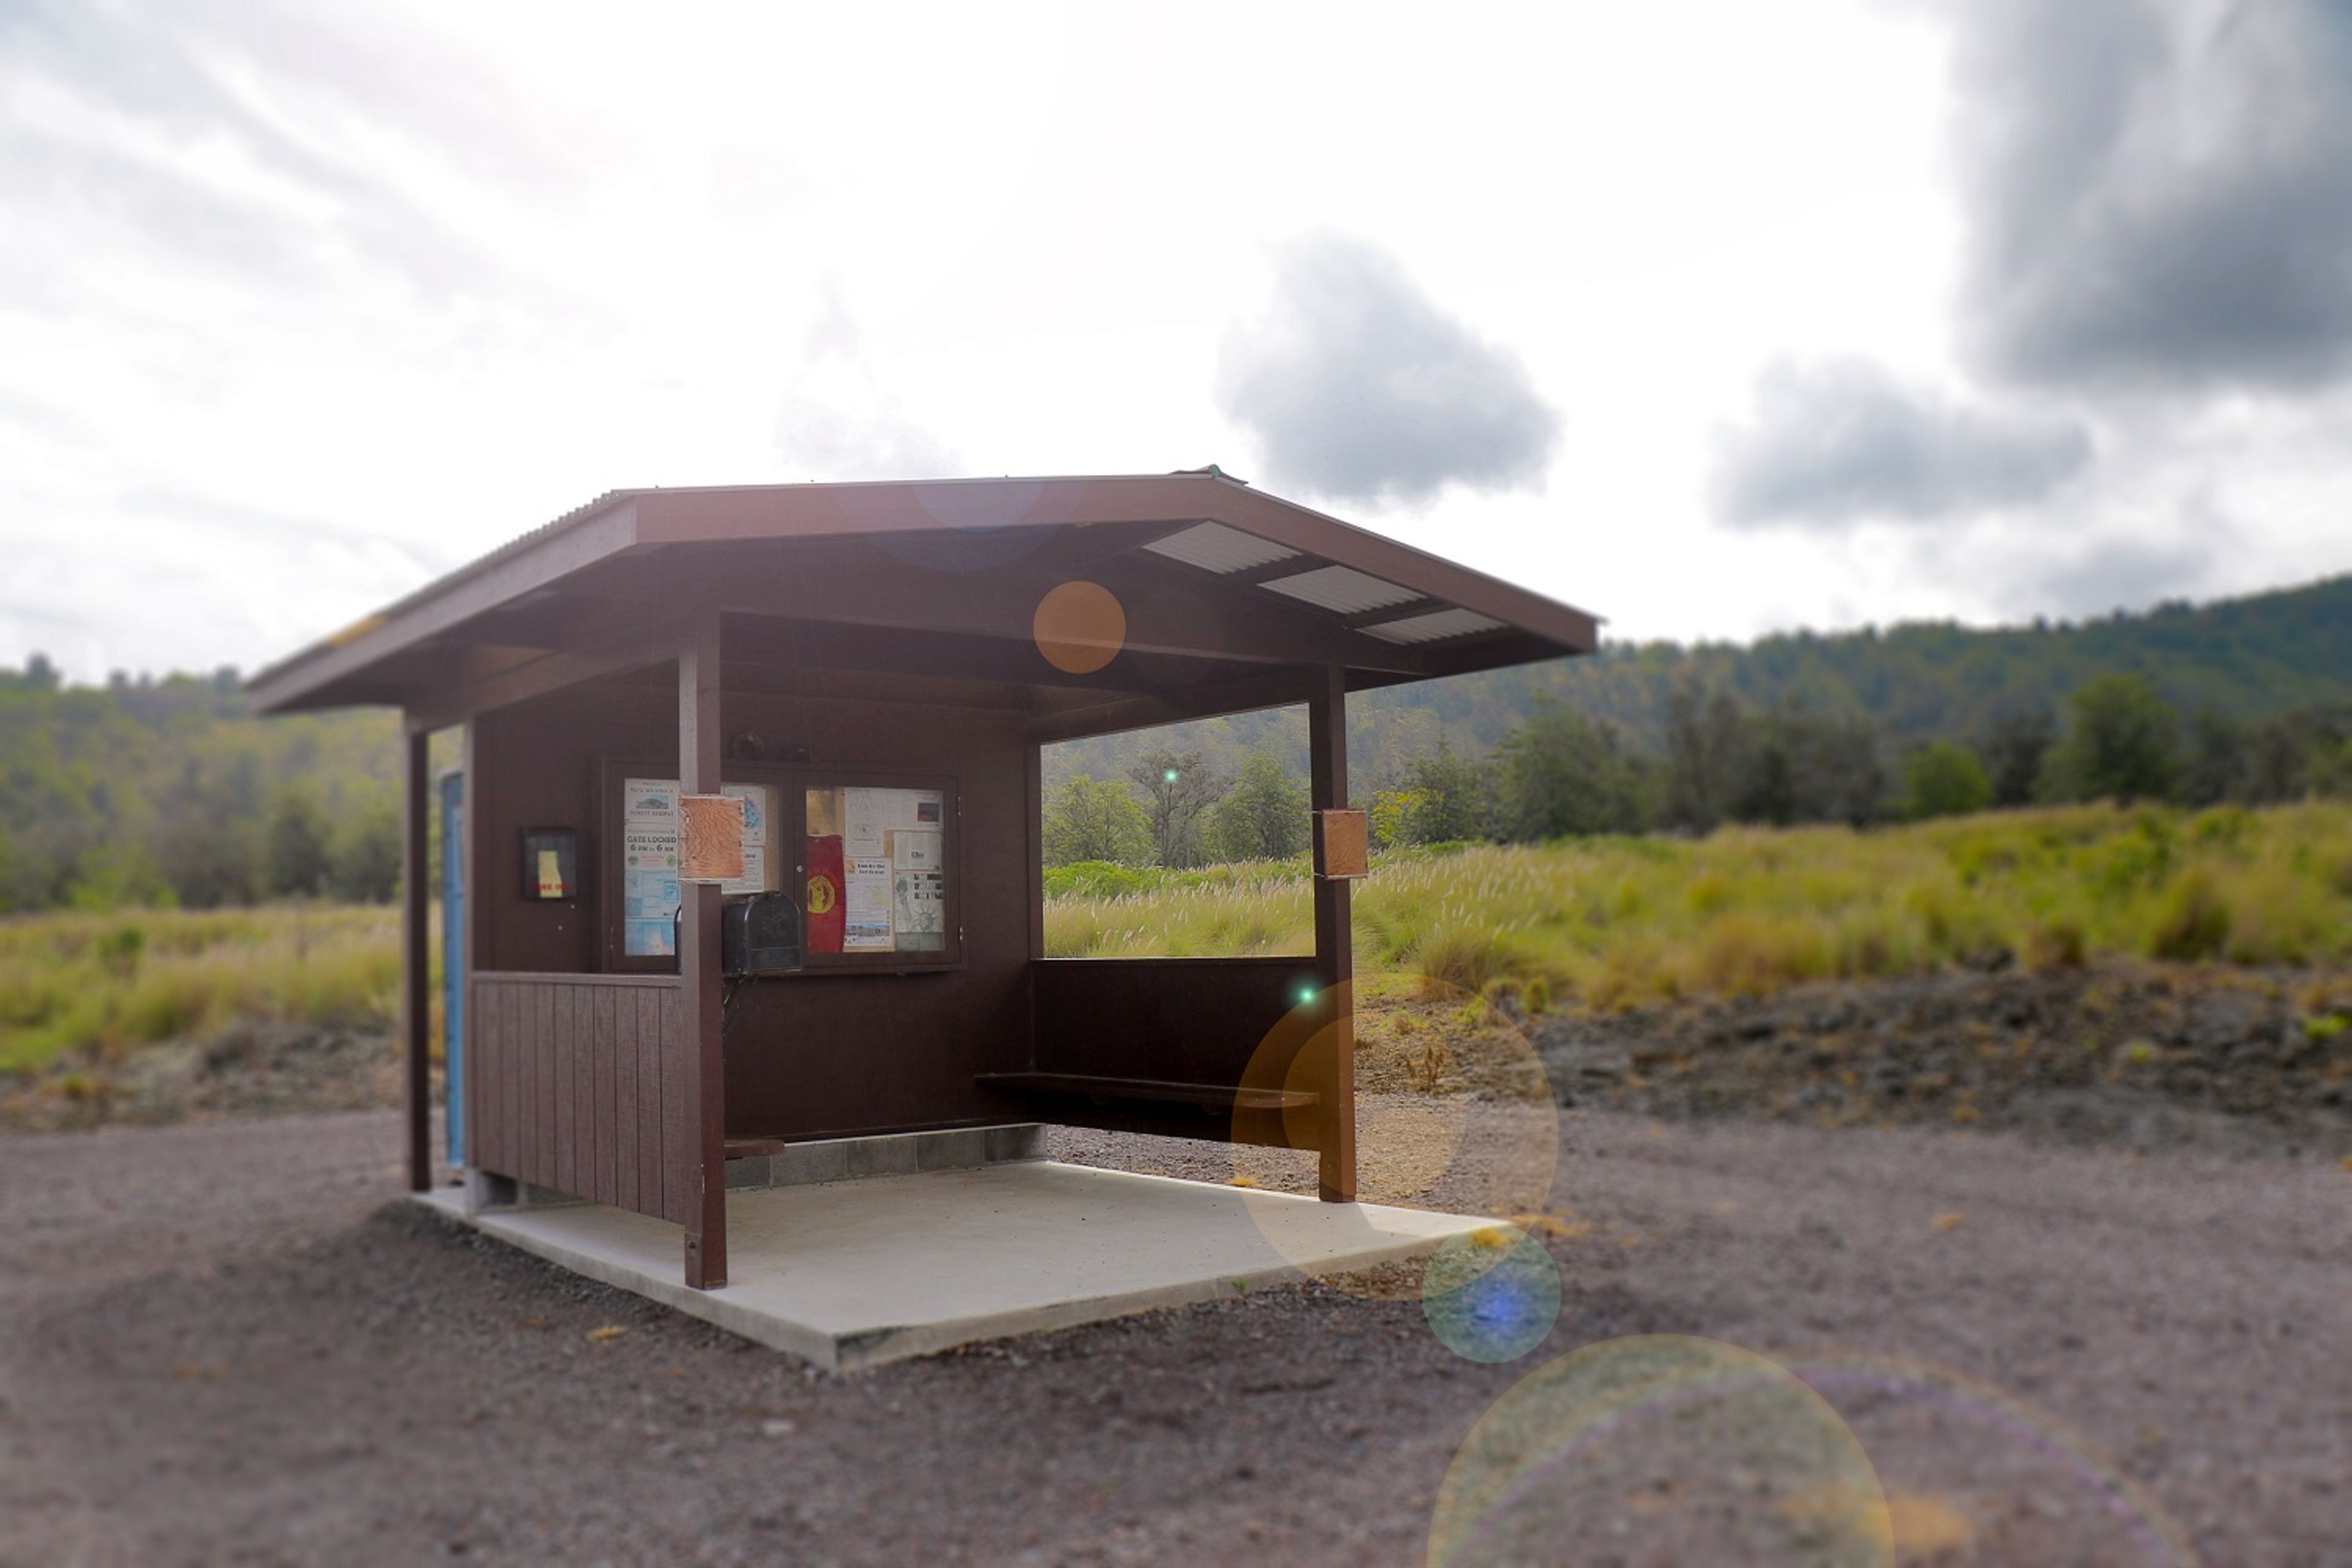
column 869, row 856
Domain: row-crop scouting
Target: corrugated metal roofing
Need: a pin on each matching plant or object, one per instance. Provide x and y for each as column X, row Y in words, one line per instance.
column 1342, row 589
column 1213, row 547
column 1435, row 626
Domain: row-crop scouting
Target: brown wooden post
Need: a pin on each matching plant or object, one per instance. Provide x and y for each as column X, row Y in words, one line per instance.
column 1335, row 955
column 464, row 944
column 417, row 959
column 698, row 749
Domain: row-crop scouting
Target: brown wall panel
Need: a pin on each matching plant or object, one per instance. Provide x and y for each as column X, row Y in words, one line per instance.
column 601, row 1184
column 536, row 762
column 1192, row 1020
column 811, row 1055
column 651, row 1115
column 511, row 1068
column 681, row 1143
column 565, row 1057
column 625, row 1100
column 818, row 1056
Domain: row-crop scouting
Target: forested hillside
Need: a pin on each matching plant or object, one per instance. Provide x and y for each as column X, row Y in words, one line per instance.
column 150, row 790
column 2248, row 658
column 167, row 791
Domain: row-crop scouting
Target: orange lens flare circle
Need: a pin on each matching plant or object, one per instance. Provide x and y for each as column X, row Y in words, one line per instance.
column 1080, row 627
column 1453, row 1113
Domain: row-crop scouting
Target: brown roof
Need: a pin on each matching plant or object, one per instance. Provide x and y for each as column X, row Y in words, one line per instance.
column 939, row 579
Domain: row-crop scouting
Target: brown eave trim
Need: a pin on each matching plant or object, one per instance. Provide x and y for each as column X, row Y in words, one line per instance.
column 535, row 561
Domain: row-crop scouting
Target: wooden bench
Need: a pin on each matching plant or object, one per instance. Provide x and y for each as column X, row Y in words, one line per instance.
column 1227, row 1098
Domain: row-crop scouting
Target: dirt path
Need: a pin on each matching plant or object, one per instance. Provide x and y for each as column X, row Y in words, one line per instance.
column 220, row 1344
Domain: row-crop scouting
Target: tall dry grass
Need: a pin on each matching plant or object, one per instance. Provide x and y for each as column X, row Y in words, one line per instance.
column 106, row 983
column 1605, row 923
column 1615, row 922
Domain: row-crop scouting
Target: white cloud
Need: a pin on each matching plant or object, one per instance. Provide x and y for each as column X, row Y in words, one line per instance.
column 301, row 306
column 1359, row 387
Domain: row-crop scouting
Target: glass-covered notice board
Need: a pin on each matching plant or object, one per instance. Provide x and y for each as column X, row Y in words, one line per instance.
column 877, row 868
column 868, row 856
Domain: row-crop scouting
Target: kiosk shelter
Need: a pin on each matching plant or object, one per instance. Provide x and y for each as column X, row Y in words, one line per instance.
column 870, row 671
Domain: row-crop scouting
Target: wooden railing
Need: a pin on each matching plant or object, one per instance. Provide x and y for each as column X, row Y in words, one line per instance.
column 576, row 1082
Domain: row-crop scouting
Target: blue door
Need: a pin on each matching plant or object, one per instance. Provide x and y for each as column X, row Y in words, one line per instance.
column 453, row 961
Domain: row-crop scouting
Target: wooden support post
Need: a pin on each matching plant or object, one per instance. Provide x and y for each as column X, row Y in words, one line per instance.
column 1335, row 956
column 416, row 958
column 464, row 944
column 698, row 754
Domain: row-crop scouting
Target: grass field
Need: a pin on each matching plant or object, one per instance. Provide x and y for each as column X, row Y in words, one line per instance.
column 1600, row 923
column 107, row 983
column 1616, row 923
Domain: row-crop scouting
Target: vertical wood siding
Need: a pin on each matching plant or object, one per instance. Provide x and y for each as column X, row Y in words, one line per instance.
column 572, row 1077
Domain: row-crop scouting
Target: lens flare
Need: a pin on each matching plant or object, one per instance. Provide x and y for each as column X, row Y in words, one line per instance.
column 1673, row 1448
column 1453, row 1112
column 1079, row 626
column 1661, row 1449
column 1491, row 1296
column 1967, row 1465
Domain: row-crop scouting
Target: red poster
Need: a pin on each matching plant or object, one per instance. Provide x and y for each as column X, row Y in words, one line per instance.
column 824, row 911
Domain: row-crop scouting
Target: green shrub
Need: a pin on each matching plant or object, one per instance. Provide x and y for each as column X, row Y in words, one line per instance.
column 2054, row 944
column 2193, row 921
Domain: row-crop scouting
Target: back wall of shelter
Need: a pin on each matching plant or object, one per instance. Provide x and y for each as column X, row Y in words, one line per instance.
column 812, row 1055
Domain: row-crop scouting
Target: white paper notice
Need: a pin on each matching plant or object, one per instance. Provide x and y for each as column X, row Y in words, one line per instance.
column 863, row 813
column 650, row 800
column 758, row 828
column 865, row 913
column 914, row 850
column 649, row 886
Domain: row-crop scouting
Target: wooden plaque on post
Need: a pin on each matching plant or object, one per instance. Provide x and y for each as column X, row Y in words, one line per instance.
column 1343, row 846
column 710, row 838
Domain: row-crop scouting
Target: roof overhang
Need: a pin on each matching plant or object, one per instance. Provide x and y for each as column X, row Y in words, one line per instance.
column 934, row 579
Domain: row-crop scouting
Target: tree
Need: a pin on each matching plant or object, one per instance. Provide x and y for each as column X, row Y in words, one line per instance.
column 2216, row 767
column 1095, row 819
column 112, row 875
column 365, row 861
column 1176, row 789
column 1265, row 815
column 2014, row 749
column 1562, row 774
column 210, row 859
column 2122, row 742
column 1807, row 767
column 297, row 856
column 1708, row 757
column 1944, row 778
column 1452, row 798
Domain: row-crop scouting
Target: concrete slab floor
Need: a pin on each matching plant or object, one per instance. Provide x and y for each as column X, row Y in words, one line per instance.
column 849, row 1274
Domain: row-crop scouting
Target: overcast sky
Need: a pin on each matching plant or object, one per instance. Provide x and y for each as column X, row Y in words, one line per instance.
column 1711, row 321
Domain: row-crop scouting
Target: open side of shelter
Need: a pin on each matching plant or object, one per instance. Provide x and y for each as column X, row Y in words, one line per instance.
column 874, row 668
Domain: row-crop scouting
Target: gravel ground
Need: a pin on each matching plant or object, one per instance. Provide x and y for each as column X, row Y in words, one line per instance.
column 222, row 1343
column 2139, row 1056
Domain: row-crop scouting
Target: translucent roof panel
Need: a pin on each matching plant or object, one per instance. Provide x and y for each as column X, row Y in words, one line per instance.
column 1435, row 626
column 1213, row 547
column 1342, row 589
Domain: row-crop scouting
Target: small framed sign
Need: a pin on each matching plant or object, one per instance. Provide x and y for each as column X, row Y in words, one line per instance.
column 550, row 863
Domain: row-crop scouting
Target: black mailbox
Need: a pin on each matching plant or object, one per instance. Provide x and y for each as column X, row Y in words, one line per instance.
column 759, row 935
